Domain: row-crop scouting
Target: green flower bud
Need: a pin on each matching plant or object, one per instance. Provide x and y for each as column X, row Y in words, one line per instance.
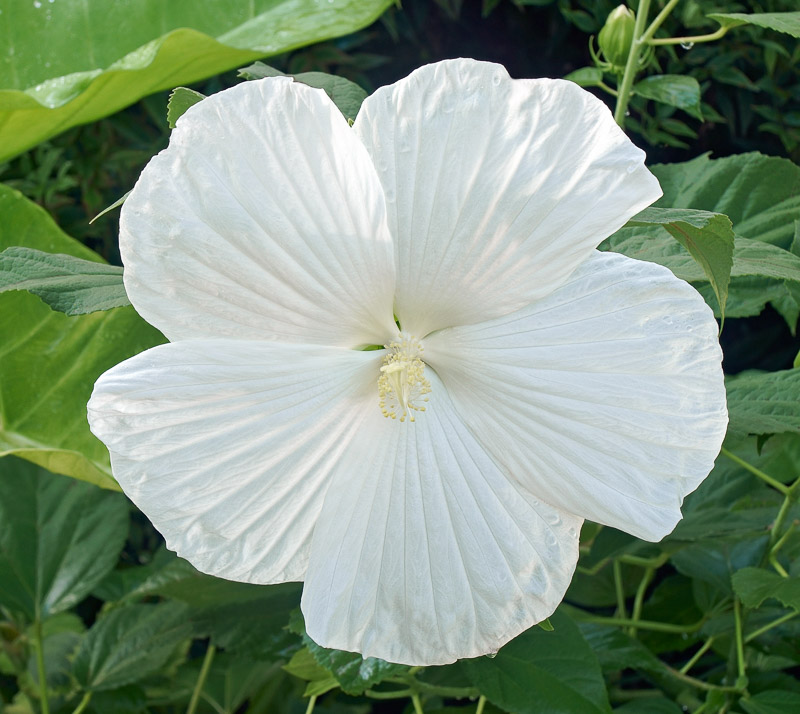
column 617, row 35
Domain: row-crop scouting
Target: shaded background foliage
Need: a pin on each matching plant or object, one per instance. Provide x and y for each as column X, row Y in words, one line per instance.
column 151, row 619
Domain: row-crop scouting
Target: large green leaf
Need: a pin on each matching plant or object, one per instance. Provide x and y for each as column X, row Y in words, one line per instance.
column 754, row 585
column 788, row 22
column 68, row 284
column 49, row 361
column 776, row 701
column 555, row 672
column 58, row 538
column 706, row 236
column 760, row 194
column 764, row 402
column 130, row 643
column 73, row 61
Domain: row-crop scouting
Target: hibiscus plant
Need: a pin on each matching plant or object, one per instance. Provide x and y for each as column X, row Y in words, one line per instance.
column 442, row 397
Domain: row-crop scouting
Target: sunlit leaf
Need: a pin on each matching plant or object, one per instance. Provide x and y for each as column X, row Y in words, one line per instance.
column 73, row 61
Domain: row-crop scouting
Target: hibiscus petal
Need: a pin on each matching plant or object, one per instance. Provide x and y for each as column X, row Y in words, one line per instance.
column 605, row 399
column 497, row 189
column 425, row 552
column 228, row 446
column 264, row 219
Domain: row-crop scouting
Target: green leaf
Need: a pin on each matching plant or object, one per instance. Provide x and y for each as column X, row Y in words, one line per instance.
column 180, row 99
column 754, row 585
column 555, row 672
column 714, row 562
column 346, row 95
column 760, row 194
column 673, row 89
column 764, row 402
column 58, row 538
column 788, row 22
column 70, row 285
column 586, row 77
column 778, row 701
column 708, row 237
column 354, row 673
column 49, row 361
column 131, row 49
column 304, row 666
column 617, row 651
column 130, row 643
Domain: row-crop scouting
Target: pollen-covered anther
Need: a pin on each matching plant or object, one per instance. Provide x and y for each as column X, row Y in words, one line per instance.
column 402, row 387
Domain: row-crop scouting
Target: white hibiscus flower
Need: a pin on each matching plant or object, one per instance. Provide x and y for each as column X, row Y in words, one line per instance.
column 272, row 243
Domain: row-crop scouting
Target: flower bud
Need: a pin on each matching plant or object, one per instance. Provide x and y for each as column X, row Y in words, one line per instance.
column 617, row 35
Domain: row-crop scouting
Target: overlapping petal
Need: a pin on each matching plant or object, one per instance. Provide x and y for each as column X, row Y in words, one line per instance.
column 605, row 399
column 425, row 551
column 228, row 446
column 497, row 189
column 264, row 219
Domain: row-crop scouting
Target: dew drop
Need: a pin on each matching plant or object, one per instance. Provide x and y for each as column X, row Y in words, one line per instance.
column 550, row 539
column 553, row 519
column 687, row 45
column 37, row 4
column 631, row 168
column 496, row 80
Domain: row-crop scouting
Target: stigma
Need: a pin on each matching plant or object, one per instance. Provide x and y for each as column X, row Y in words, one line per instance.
column 402, row 387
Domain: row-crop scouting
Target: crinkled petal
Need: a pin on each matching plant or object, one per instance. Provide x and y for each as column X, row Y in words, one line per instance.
column 264, row 219
column 497, row 189
column 605, row 399
column 425, row 552
column 228, row 446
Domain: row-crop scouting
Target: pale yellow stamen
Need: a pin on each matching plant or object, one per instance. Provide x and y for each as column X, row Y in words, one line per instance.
column 402, row 387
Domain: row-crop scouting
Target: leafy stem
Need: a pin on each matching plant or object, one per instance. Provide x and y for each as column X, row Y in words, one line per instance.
column 697, row 655
column 638, row 600
column 775, row 623
column 481, row 705
column 312, row 702
column 38, row 643
column 644, row 624
column 693, row 40
column 737, row 619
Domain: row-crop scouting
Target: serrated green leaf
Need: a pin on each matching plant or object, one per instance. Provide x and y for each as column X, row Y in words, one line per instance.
column 304, row 666
column 58, row 538
column 555, row 672
column 346, row 95
column 129, row 643
column 70, row 285
column 354, row 673
column 180, row 99
column 788, row 22
column 754, row 585
column 764, row 402
column 616, row 650
column 675, row 90
column 778, row 701
column 128, row 50
column 708, row 238
column 760, row 194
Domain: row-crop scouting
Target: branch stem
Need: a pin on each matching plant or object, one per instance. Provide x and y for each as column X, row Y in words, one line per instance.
column 201, row 679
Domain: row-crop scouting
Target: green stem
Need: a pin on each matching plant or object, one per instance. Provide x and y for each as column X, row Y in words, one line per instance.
column 38, row 643
column 481, row 705
column 645, row 624
column 83, row 703
column 737, row 619
column 311, row 704
column 201, row 679
column 619, row 590
column 777, row 485
column 397, row 694
column 632, row 65
column 656, row 562
column 697, row 39
column 766, row 628
column 638, row 601
column 789, row 496
column 699, row 683
column 696, row 656
column 417, row 704
column 659, row 20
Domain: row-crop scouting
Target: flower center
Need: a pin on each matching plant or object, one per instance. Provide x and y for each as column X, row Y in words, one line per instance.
column 402, row 385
